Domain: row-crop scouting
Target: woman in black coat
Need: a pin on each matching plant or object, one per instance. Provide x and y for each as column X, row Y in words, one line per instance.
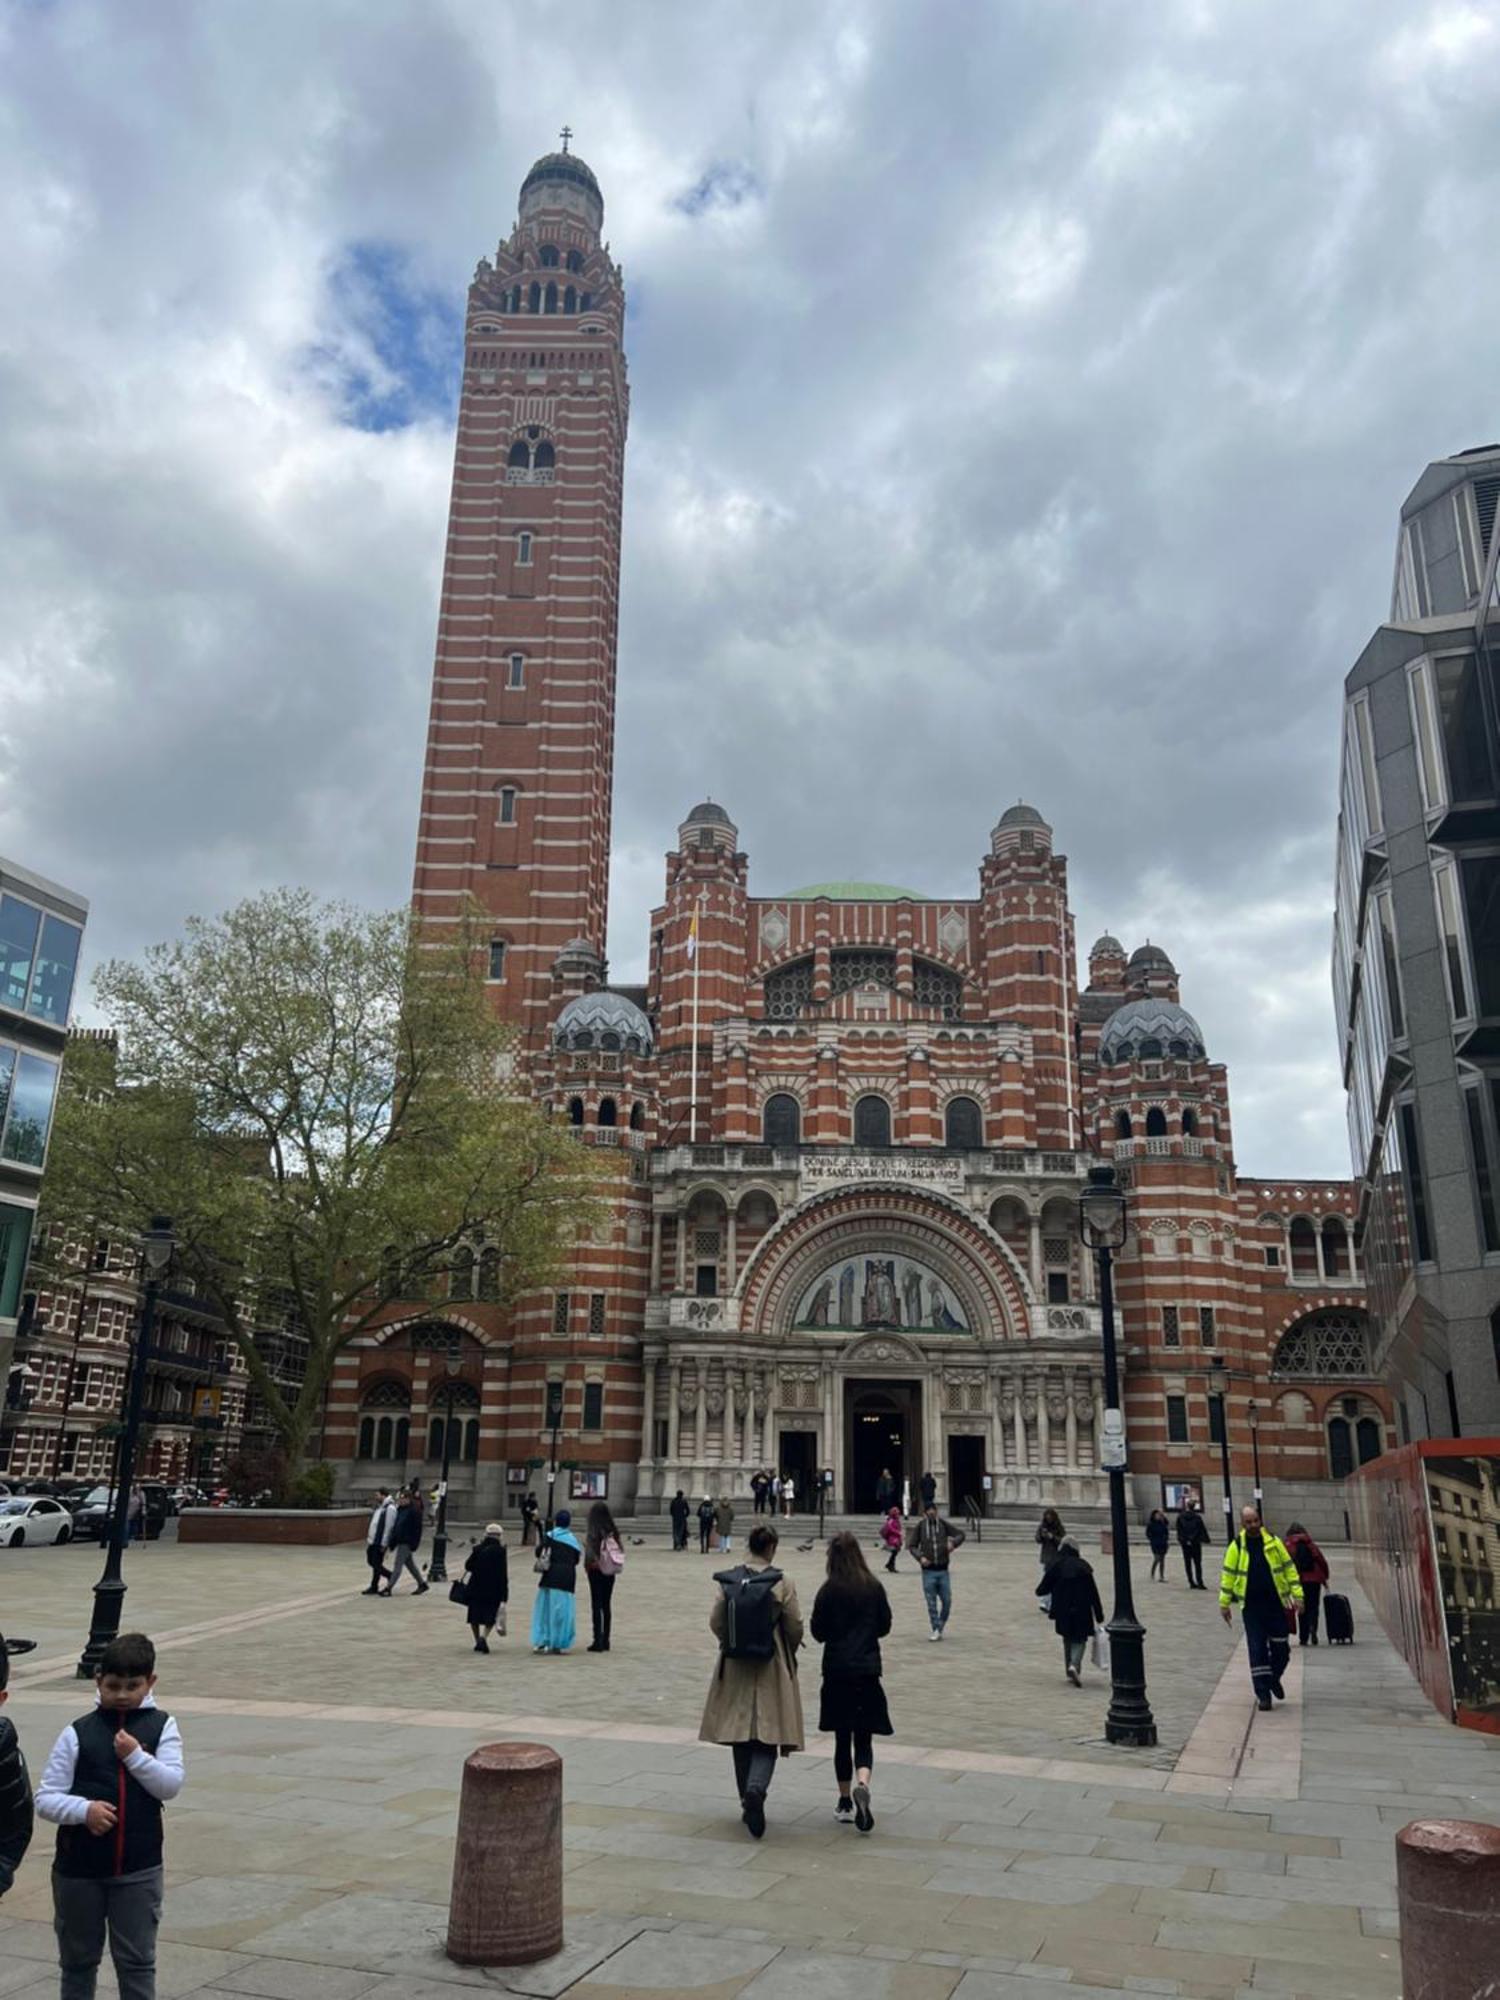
column 488, row 1576
column 1075, row 1608
column 850, row 1616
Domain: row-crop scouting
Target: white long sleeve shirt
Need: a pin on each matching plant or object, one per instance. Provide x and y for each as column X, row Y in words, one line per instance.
column 381, row 1522
column 161, row 1775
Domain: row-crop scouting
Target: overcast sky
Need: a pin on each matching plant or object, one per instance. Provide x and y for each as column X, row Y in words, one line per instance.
column 1023, row 395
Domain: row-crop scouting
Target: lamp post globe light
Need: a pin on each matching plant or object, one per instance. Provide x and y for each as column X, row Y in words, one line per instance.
column 1101, row 1220
column 157, row 1245
column 1218, row 1389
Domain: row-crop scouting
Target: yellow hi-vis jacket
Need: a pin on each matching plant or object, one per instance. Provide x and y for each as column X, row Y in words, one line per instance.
column 1236, row 1571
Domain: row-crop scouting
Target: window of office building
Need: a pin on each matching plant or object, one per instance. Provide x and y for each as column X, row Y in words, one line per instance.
column 1480, row 1163
column 1460, row 706
column 1390, row 964
column 38, row 960
column 1481, row 887
column 1445, row 889
column 28, row 1086
column 15, row 1240
column 1416, row 1183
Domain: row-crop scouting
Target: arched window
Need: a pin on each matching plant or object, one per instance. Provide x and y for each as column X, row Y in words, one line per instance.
column 849, row 969
column 1189, row 1124
column 1150, row 1049
column 570, row 300
column 963, row 1126
column 1325, row 1344
column 1123, row 1127
column 544, row 457
column 519, row 454
column 1340, row 1448
column 1304, row 1248
column 789, row 990
column 471, row 1440
column 505, row 808
column 523, row 546
column 551, row 300
column 609, row 1039
column 366, row 1438
column 575, row 260
column 575, row 1110
column 534, row 298
column 489, row 1274
column 935, row 986
column 1368, row 1440
column 1156, row 1123
column 1335, row 1248
column 383, row 1435
column 584, row 305
column 638, row 1116
column 547, row 257
column 605, row 1115
column 781, row 1120
column 872, row 1123
column 461, row 1274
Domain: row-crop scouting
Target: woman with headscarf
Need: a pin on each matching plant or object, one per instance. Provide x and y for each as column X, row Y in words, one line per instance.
column 553, row 1615
column 487, row 1573
column 1073, row 1603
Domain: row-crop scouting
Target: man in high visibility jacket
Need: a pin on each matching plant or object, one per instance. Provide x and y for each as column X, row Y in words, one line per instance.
column 1261, row 1578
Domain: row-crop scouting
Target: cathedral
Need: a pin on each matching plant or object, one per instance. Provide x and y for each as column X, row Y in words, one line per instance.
column 849, row 1123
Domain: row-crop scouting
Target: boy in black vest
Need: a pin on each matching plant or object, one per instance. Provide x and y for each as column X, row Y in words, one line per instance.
column 15, row 1790
column 105, row 1784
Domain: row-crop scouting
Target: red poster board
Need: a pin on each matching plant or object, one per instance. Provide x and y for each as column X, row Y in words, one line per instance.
column 1426, row 1523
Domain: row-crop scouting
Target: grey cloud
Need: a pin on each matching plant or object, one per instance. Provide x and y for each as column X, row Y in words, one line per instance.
column 1021, row 404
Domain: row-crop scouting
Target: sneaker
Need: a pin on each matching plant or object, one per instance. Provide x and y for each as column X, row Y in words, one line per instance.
column 421, row 1590
column 843, row 1812
column 934, row 1636
column 753, row 1813
column 1073, row 1677
column 1278, row 1690
column 1263, row 1701
column 864, row 1819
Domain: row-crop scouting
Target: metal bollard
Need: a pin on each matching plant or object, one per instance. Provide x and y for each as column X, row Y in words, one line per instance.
column 1448, row 1893
column 506, row 1905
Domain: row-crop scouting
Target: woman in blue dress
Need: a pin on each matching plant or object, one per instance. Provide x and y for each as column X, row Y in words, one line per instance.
column 552, row 1615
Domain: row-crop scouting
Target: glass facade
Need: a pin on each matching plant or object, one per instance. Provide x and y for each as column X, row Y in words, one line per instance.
column 28, row 1089
column 38, row 960
column 15, row 1240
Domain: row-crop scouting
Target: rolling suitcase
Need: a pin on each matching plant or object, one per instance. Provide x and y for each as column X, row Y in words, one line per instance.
column 1340, row 1620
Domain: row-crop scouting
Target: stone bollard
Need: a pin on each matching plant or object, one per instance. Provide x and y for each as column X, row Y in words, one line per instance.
column 1448, row 1892
column 506, row 1906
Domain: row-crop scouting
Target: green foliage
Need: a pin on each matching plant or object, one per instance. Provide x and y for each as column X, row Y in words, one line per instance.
column 318, row 1096
column 313, row 1486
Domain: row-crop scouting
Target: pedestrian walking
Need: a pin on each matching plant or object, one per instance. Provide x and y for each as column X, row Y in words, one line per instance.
column 679, row 1512
column 705, row 1523
column 135, row 1514
column 754, row 1704
column 892, row 1534
column 16, row 1815
column 1192, row 1538
column 103, row 1788
column 553, row 1614
column 1050, row 1533
column 932, row 1541
column 1158, row 1535
column 1261, row 1578
column 789, row 1494
column 851, row 1615
column 1312, row 1568
column 405, row 1540
column 603, row 1559
column 758, row 1492
column 885, row 1491
column 1072, row 1599
column 775, row 1492
column 377, row 1534
column 487, row 1575
column 724, row 1521
column 928, row 1488
column 529, row 1511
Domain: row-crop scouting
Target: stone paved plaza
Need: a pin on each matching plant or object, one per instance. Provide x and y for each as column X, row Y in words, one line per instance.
column 311, row 1852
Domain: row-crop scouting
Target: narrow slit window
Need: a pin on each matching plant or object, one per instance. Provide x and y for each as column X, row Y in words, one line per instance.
column 507, row 814
column 523, row 546
column 517, row 675
column 497, row 958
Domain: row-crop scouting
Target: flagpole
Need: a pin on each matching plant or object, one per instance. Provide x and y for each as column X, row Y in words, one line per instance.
column 693, row 1069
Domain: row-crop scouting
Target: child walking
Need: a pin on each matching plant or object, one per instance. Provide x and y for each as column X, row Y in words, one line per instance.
column 893, row 1535
column 15, row 1790
column 104, row 1786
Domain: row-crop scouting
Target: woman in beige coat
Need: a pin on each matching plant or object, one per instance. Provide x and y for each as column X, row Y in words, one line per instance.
column 755, row 1706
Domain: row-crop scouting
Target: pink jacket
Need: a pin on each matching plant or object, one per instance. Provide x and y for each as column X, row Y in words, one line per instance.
column 891, row 1531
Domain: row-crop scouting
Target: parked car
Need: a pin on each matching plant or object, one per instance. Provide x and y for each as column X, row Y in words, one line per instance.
column 32, row 1518
column 91, row 1517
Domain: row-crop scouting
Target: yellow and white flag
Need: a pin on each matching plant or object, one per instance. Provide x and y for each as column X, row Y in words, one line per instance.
column 692, row 941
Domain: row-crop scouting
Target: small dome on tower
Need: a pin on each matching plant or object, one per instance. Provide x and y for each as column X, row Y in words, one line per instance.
column 1021, row 814
column 1106, row 947
column 1151, row 1029
column 1151, row 958
column 708, row 814
column 562, row 167
column 1021, row 830
column 561, row 181
column 603, row 1020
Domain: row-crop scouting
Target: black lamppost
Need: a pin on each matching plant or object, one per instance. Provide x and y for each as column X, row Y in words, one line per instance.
column 1218, row 1389
column 437, row 1569
column 1101, row 1215
column 1254, row 1416
column 157, row 1246
column 557, row 1417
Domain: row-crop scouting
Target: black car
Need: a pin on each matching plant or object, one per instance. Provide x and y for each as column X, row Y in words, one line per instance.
column 91, row 1516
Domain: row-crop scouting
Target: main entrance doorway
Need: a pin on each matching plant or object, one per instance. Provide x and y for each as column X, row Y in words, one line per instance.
column 965, row 1472
column 882, row 1426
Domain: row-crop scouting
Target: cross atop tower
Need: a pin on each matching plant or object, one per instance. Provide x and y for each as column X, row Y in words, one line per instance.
column 565, row 135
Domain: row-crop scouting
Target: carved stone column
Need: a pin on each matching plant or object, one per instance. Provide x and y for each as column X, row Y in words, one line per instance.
column 1038, row 1280
column 648, row 1409
column 656, row 1252
column 1071, row 1431
column 1026, row 1415
column 748, row 1414
column 1043, row 1424
column 682, row 1237
column 1018, row 1427
column 700, row 1414
column 674, row 1412
column 731, row 1249
column 765, row 1409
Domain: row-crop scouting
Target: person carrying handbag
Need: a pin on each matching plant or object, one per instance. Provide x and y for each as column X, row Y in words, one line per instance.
column 603, row 1559
column 553, row 1615
column 485, row 1586
column 1072, row 1596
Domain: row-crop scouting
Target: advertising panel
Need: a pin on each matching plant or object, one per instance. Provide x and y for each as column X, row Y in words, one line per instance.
column 1426, row 1525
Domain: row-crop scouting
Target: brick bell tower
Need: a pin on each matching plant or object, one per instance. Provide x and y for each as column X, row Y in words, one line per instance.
column 519, row 777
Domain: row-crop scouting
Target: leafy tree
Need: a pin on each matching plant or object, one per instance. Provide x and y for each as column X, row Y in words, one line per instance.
column 318, row 1096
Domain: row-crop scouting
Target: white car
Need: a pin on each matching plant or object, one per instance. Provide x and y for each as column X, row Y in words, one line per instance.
column 33, row 1520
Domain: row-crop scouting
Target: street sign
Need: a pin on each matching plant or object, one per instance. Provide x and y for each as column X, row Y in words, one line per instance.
column 1112, row 1455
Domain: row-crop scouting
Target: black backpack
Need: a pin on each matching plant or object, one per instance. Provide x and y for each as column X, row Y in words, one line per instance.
column 750, row 1612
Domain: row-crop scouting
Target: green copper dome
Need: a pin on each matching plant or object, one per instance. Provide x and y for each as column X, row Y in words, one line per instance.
column 855, row 892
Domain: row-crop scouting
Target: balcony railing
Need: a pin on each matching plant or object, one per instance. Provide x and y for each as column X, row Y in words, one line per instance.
column 790, row 1159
